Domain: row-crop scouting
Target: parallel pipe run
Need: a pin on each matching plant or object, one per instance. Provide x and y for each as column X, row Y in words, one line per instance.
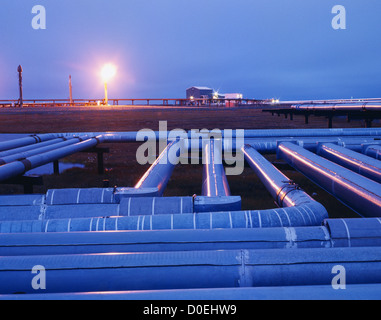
column 31, row 147
column 110, row 137
column 21, row 142
column 357, row 162
column 359, row 193
column 373, row 151
column 367, row 106
column 214, row 183
column 191, row 269
column 13, row 169
column 40, row 150
column 158, row 175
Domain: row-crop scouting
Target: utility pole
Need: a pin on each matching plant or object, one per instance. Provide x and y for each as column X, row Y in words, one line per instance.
column 70, row 91
column 19, row 70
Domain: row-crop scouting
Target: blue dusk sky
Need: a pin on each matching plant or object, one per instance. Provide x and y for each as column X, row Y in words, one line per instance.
column 284, row 49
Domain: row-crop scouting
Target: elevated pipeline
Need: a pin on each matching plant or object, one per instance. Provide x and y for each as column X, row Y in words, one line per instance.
column 357, row 162
column 15, row 168
column 359, row 193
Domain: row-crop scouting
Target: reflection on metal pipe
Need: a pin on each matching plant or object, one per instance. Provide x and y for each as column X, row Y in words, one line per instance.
column 357, row 162
column 158, row 175
column 214, row 183
column 359, row 193
column 280, row 187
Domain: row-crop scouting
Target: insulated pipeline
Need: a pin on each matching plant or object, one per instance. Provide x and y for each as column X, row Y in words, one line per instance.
column 191, row 269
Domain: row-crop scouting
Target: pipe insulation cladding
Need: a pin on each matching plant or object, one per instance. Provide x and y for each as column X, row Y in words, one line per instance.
column 191, row 269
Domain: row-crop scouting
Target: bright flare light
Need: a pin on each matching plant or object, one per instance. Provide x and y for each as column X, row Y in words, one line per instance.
column 108, row 72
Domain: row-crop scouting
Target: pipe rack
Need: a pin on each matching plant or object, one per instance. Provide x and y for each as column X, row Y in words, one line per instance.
column 134, row 237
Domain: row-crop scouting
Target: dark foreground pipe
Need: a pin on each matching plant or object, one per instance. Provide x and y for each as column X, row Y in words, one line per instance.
column 325, row 292
column 190, row 269
column 359, row 193
column 357, row 162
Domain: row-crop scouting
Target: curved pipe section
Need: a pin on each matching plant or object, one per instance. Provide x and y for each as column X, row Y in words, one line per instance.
column 215, row 183
column 359, row 193
column 281, row 188
column 357, row 162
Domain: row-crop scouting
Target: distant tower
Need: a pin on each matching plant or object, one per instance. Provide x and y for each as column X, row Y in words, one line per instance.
column 70, row 91
column 19, row 70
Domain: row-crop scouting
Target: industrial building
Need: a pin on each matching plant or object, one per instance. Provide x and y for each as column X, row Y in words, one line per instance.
column 199, row 93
